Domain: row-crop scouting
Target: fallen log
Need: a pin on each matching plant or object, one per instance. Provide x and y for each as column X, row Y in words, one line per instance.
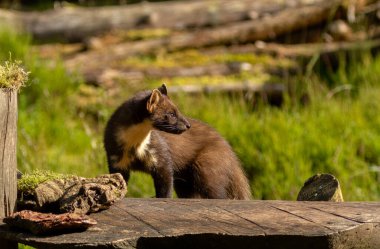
column 278, row 23
column 43, row 223
column 76, row 24
column 228, row 87
column 309, row 50
column 111, row 76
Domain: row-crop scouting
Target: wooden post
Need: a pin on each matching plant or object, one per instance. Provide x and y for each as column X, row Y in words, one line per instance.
column 8, row 160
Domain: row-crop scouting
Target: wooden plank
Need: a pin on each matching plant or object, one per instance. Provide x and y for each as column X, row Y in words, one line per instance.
column 275, row 221
column 183, row 223
column 193, row 216
column 356, row 211
column 8, row 159
column 331, row 221
column 114, row 228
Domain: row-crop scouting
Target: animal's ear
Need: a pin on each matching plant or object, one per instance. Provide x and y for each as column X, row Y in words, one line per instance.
column 163, row 89
column 153, row 101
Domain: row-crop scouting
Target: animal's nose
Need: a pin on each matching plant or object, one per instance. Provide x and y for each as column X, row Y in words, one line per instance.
column 188, row 125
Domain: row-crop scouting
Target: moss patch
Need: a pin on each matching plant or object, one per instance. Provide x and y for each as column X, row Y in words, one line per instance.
column 12, row 75
column 30, row 181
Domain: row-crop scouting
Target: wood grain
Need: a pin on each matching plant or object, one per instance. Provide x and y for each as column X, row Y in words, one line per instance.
column 8, row 159
column 190, row 223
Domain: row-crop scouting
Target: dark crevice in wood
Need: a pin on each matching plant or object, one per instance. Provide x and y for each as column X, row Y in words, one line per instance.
column 341, row 216
column 144, row 222
column 299, row 216
column 5, row 201
column 262, row 228
column 211, row 219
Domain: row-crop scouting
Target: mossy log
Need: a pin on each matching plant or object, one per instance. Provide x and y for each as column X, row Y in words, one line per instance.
column 75, row 194
column 321, row 187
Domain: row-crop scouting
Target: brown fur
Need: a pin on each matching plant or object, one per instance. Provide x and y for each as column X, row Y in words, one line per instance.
column 148, row 133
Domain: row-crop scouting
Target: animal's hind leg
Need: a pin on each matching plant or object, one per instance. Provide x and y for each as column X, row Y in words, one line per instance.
column 210, row 181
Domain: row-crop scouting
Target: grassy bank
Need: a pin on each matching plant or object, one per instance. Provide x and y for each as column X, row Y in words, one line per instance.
column 279, row 147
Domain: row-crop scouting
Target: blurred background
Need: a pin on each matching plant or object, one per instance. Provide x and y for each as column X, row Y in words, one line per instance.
column 293, row 85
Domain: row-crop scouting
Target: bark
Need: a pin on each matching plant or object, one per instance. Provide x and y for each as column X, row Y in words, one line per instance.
column 76, row 194
column 93, row 195
column 46, row 223
column 73, row 24
column 321, row 187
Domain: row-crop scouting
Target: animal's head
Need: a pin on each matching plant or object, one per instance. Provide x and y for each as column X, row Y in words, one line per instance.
column 164, row 115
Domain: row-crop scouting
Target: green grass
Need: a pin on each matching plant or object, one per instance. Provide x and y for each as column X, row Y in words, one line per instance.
column 278, row 147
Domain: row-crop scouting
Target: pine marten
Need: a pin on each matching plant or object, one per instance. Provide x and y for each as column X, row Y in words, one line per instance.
column 148, row 133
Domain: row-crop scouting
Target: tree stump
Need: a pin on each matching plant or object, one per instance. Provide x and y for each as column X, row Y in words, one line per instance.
column 321, row 187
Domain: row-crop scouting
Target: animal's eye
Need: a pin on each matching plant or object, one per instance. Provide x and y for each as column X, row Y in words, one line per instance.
column 171, row 114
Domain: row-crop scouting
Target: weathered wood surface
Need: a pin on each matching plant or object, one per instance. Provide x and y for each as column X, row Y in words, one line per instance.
column 181, row 223
column 8, row 160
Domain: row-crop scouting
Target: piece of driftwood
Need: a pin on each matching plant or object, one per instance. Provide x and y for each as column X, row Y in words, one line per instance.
column 73, row 24
column 321, row 187
column 223, row 224
column 278, row 23
column 76, row 194
column 47, row 223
